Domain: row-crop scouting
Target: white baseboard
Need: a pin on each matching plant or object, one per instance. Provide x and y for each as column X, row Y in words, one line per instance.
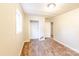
column 67, row 46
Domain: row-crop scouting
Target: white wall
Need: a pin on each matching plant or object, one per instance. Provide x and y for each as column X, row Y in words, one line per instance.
column 10, row 42
column 66, row 28
column 47, row 29
column 42, row 28
column 20, row 35
column 26, row 28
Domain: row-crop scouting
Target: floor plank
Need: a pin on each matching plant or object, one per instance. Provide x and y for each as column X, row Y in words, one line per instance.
column 47, row 47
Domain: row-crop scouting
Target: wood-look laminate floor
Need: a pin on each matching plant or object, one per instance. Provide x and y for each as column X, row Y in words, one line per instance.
column 47, row 47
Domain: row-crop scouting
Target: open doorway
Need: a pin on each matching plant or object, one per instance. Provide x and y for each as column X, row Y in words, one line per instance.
column 51, row 29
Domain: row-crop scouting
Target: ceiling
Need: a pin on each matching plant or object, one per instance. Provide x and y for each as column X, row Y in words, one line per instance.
column 40, row 8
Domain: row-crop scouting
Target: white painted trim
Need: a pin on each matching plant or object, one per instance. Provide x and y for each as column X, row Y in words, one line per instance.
column 67, row 46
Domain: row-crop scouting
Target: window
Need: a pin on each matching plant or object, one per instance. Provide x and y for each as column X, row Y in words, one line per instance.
column 18, row 21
